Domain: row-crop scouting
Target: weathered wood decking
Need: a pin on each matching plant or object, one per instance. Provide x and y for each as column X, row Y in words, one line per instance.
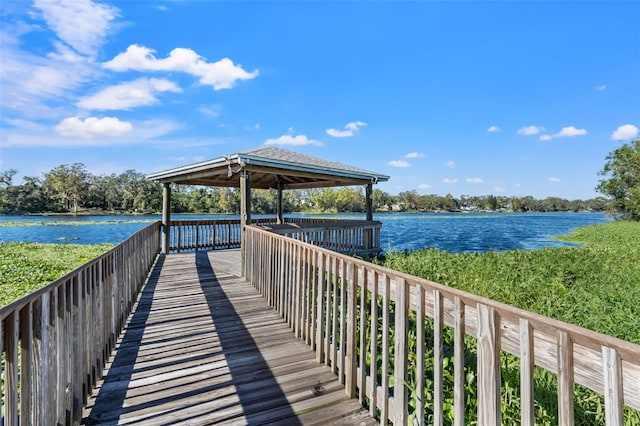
column 202, row 347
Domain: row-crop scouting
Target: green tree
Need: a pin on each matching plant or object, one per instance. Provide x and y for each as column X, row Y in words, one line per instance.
column 622, row 180
column 67, row 184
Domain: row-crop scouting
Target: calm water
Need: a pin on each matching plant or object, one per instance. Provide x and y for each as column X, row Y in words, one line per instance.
column 454, row 232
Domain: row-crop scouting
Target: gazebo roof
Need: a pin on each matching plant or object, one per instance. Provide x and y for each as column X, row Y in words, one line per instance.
column 270, row 167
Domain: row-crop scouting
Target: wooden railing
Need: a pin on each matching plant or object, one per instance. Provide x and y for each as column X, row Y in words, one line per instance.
column 352, row 312
column 344, row 236
column 56, row 341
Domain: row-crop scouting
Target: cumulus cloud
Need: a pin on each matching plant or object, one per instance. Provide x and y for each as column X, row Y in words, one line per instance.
column 93, row 126
column 81, row 24
column 350, row 129
column 554, row 179
column 398, row 163
column 222, row 74
column 129, row 95
column 530, row 130
column 211, row 110
column 297, row 140
column 474, row 180
column 601, row 87
column 414, row 155
column 493, row 129
column 424, row 186
column 449, row 180
column 498, row 189
column 451, row 164
column 566, row 132
column 626, row 131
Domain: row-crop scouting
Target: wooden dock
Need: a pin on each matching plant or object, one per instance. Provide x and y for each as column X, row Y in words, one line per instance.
column 203, row 347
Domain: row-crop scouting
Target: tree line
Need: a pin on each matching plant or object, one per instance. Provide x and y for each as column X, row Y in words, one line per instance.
column 70, row 188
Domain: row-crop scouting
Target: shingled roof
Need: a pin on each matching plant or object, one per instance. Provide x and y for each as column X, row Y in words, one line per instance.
column 270, row 167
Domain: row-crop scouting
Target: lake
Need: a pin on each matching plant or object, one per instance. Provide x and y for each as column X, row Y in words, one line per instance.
column 455, row 232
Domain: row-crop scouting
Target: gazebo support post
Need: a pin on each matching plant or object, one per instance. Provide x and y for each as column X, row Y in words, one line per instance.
column 245, row 213
column 368, row 233
column 166, row 217
column 280, row 207
column 369, row 201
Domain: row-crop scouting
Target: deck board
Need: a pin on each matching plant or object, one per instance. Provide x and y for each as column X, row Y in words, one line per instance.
column 203, row 347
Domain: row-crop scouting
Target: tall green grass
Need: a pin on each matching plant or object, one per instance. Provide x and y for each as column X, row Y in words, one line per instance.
column 26, row 267
column 596, row 286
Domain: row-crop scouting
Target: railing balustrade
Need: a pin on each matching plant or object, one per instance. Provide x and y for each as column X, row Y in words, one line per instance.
column 352, row 312
column 55, row 341
column 344, row 236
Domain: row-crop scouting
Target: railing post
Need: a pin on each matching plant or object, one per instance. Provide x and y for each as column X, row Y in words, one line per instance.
column 400, row 394
column 489, row 412
column 351, row 360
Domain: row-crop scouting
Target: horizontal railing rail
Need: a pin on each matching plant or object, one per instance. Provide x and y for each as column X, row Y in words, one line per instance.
column 352, row 312
column 344, row 236
column 55, row 341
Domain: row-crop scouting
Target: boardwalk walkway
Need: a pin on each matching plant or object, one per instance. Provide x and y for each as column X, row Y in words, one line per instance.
column 202, row 347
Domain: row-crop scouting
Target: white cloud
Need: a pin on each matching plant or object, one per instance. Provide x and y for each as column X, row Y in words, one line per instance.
column 530, row 130
column 493, row 129
column 222, row 74
column 498, row 189
column 350, row 129
column 451, row 164
column 129, row 95
column 474, row 180
column 424, row 186
column 414, row 155
column 566, row 132
column 81, row 24
column 626, row 131
column 211, row 110
column 601, row 88
column 554, row 179
column 398, row 163
column 93, row 126
column 97, row 134
column 181, row 158
column 450, row 180
column 292, row 140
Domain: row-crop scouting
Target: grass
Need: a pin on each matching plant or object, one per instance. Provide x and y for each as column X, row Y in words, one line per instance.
column 596, row 285
column 26, row 267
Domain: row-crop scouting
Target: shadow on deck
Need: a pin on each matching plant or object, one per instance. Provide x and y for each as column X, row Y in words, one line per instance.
column 203, row 347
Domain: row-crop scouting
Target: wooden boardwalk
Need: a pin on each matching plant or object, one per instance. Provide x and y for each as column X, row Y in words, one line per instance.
column 202, row 347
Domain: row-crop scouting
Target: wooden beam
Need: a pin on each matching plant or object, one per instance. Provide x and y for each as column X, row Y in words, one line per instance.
column 369, row 201
column 280, row 206
column 245, row 213
column 166, row 217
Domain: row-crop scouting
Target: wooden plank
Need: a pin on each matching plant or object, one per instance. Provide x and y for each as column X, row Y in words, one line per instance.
column 420, row 355
column 400, row 393
column 26, row 366
column 245, row 366
column 11, row 334
column 349, row 352
column 459, row 378
column 527, row 413
column 386, row 302
column 489, row 412
column 565, row 379
column 613, row 394
column 362, row 341
column 438, row 357
column 373, row 350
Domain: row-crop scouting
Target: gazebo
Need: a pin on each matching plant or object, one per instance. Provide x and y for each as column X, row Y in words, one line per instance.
column 266, row 167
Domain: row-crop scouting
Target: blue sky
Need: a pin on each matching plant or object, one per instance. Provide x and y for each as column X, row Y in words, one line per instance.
column 468, row 98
